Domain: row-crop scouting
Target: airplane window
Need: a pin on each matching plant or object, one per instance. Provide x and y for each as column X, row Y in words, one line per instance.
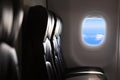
column 93, row 31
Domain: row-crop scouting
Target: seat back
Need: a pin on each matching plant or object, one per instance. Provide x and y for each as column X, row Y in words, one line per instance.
column 11, row 13
column 56, row 43
column 49, row 57
column 54, row 55
column 33, row 31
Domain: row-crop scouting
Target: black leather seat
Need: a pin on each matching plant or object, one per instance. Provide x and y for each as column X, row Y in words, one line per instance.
column 49, row 57
column 49, row 60
column 55, row 41
column 33, row 32
column 52, row 47
column 11, row 15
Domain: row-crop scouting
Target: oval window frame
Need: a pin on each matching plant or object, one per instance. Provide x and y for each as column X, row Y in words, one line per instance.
column 94, row 15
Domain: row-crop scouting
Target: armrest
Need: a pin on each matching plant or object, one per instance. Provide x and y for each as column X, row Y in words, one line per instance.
column 82, row 71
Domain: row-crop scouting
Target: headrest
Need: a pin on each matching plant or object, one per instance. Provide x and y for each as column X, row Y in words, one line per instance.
column 10, row 20
column 50, row 26
column 16, row 26
column 58, row 28
column 36, row 23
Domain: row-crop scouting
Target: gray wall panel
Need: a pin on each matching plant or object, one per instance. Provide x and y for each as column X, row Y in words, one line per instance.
column 34, row 2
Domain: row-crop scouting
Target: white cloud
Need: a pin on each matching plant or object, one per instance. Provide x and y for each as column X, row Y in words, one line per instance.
column 99, row 36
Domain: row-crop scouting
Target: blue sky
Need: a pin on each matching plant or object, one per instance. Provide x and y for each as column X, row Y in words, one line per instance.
column 93, row 31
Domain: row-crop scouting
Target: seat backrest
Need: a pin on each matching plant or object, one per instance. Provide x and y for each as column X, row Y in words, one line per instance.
column 57, row 40
column 47, row 38
column 49, row 57
column 49, row 60
column 54, row 39
column 10, row 14
column 33, row 32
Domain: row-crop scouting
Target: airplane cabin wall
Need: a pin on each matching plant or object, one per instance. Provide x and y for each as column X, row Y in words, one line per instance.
column 34, row 2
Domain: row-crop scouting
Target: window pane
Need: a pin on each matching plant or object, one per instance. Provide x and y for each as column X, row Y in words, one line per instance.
column 93, row 31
